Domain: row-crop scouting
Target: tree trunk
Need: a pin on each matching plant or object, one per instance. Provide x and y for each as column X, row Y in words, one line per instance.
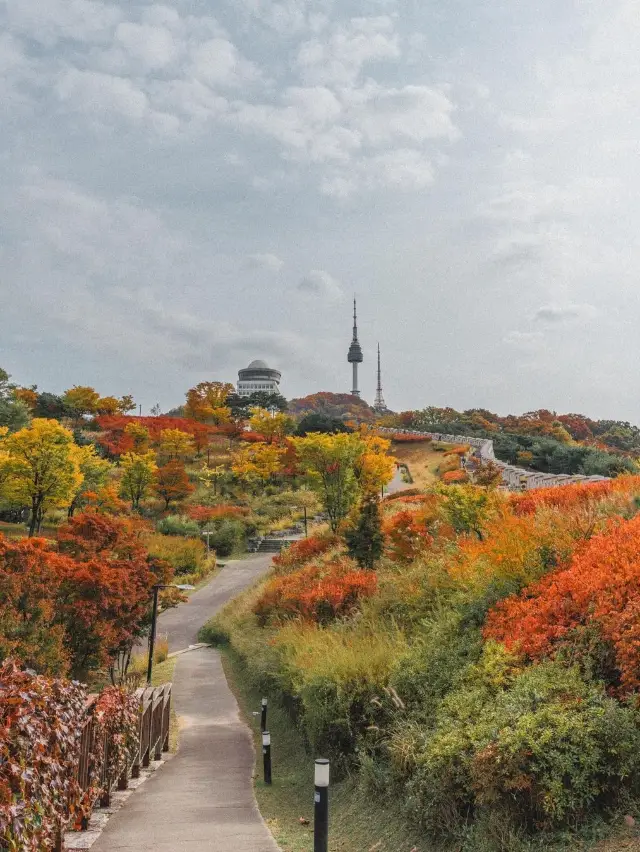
column 33, row 520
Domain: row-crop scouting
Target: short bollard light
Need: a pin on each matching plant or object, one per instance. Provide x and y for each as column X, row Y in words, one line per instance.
column 263, row 717
column 321, row 806
column 266, row 756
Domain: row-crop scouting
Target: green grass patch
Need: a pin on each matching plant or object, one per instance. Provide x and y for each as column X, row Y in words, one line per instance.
column 356, row 823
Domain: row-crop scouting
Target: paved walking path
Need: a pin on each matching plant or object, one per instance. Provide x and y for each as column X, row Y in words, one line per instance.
column 202, row 800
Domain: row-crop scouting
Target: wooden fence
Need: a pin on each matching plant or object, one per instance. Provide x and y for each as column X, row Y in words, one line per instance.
column 152, row 740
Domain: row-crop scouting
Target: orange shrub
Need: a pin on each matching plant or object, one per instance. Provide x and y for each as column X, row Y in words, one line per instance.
column 601, row 586
column 452, row 476
column 408, row 438
column 458, row 451
column 568, row 496
column 406, row 536
column 304, row 551
column 204, row 514
column 318, row 593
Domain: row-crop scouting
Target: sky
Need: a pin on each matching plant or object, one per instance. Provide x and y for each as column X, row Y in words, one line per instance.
column 190, row 185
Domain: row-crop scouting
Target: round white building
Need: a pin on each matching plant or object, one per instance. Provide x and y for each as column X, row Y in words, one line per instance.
column 258, row 378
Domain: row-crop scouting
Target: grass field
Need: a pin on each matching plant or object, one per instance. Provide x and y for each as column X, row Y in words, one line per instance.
column 354, row 825
column 422, row 460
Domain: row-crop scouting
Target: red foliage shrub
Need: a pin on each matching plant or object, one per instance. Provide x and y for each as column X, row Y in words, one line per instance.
column 303, row 551
column 404, row 495
column 204, row 514
column 406, row 536
column 251, row 437
column 73, row 610
column 569, row 496
column 601, row 586
column 453, row 476
column 316, row 593
column 408, row 438
column 458, row 451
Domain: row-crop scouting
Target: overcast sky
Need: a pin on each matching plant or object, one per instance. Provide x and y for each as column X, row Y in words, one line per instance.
column 187, row 186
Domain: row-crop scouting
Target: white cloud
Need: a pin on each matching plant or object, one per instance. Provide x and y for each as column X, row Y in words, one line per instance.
column 152, row 47
column 268, row 262
column 340, row 58
column 50, row 21
column 404, row 169
column 218, row 62
column 556, row 314
column 94, row 92
column 320, row 284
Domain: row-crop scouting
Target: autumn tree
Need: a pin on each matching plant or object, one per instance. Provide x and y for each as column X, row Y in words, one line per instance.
column 104, row 596
column 138, row 436
column 176, row 445
column 330, row 462
column 42, row 469
column 171, row 482
column 138, row 471
column 29, row 579
column 82, row 400
column 273, row 426
column 256, row 463
column 14, row 413
column 365, row 541
column 374, row 467
column 95, row 472
column 206, row 402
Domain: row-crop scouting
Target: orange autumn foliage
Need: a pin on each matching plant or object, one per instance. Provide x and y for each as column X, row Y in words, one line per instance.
column 204, row 514
column 452, row 476
column 317, row 593
column 303, row 551
column 569, row 496
column 601, row 585
column 406, row 535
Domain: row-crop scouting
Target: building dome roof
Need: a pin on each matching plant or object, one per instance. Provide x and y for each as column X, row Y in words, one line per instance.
column 257, row 365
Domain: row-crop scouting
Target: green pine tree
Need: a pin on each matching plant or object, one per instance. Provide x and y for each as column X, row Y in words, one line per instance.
column 365, row 540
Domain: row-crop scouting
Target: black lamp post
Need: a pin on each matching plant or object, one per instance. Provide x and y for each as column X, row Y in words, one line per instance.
column 154, row 618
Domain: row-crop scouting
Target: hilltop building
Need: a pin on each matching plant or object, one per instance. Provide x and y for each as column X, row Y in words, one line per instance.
column 354, row 355
column 258, row 378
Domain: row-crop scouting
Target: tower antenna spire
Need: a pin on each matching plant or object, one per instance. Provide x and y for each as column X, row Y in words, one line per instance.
column 379, row 404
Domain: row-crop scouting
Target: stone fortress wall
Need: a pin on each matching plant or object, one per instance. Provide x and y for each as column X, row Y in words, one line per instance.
column 514, row 478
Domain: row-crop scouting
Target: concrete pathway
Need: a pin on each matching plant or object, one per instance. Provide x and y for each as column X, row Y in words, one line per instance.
column 202, row 800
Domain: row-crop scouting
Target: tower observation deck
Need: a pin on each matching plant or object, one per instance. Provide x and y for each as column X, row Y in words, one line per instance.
column 355, row 357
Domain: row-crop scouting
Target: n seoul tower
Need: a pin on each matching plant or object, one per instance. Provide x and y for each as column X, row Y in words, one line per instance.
column 355, row 353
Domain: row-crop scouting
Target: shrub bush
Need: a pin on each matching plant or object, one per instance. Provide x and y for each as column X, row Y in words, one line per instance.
column 601, row 585
column 178, row 525
column 540, row 746
column 227, row 536
column 336, row 679
column 303, row 551
column 185, row 555
column 317, row 593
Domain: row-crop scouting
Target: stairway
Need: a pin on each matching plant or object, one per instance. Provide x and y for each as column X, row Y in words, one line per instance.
column 274, row 545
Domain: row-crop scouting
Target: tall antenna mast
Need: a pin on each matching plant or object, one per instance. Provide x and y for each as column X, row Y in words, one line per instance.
column 379, row 404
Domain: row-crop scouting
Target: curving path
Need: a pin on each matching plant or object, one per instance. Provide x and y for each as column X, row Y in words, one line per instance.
column 202, row 800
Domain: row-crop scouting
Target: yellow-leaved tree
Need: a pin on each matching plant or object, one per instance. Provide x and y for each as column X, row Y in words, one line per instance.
column 138, row 471
column 256, row 463
column 41, row 468
column 375, row 467
column 176, row 445
column 343, row 467
column 272, row 426
column 95, row 476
